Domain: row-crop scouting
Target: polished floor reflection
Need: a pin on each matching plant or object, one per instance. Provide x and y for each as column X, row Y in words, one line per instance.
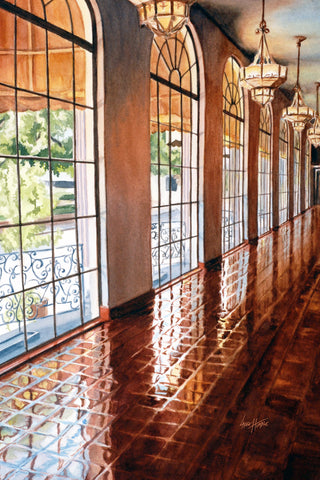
column 219, row 381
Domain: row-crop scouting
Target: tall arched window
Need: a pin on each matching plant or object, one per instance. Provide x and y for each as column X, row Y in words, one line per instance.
column 283, row 172
column 264, row 172
column 174, row 156
column 48, row 241
column 307, row 174
column 296, row 174
column 234, row 191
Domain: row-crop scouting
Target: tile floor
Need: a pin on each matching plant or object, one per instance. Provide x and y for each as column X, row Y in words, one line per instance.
column 170, row 394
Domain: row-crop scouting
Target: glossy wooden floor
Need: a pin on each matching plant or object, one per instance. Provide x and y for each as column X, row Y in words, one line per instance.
column 220, row 381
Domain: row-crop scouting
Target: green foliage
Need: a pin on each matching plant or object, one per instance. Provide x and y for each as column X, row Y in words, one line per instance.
column 160, row 145
column 61, row 125
column 33, row 136
column 34, row 176
column 67, row 196
column 33, row 133
column 35, row 204
column 64, row 209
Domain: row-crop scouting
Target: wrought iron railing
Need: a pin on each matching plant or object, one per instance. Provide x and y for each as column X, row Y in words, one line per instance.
column 38, row 283
column 166, row 236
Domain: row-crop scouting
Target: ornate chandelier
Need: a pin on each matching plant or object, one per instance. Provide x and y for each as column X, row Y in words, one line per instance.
column 163, row 17
column 298, row 113
column 314, row 132
column 263, row 76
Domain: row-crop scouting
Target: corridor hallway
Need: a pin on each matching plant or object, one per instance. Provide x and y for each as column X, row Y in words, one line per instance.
column 171, row 392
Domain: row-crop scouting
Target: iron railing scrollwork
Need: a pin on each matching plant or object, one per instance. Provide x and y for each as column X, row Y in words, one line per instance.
column 37, row 281
column 171, row 246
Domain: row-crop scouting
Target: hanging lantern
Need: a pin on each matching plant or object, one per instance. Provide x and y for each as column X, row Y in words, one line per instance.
column 163, row 17
column 263, row 76
column 298, row 113
column 314, row 132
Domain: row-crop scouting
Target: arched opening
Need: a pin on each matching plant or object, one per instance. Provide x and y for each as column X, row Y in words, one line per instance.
column 234, row 182
column 48, row 219
column 175, row 95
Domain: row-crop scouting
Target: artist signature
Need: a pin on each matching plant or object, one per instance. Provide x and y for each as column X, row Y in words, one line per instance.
column 254, row 424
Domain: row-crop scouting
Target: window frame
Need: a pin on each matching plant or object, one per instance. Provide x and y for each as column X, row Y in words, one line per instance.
column 82, row 271
column 233, row 229
column 283, row 174
column 163, row 252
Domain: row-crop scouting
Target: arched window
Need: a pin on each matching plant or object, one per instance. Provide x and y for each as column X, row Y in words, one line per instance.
column 174, row 156
column 283, row 172
column 234, row 191
column 264, row 172
column 307, row 174
column 48, row 252
column 296, row 174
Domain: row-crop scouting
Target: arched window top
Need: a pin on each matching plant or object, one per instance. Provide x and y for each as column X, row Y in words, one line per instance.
column 265, row 120
column 232, row 92
column 283, row 130
column 44, row 50
column 70, row 15
column 174, row 67
column 174, row 61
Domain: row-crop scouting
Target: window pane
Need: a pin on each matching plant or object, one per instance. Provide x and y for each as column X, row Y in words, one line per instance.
column 154, row 185
column 81, row 18
column 90, row 296
column 60, row 57
column 87, row 228
column 68, row 301
column 9, row 207
column 83, row 77
column 165, row 185
column 10, row 261
column 32, row 126
column 186, row 221
column 65, row 249
column 186, row 255
column 11, row 327
column 84, row 135
column 37, row 254
column 31, row 58
column 39, row 315
column 7, row 34
column 35, row 7
column 34, row 190
column 63, row 189
column 61, row 130
column 57, row 12
column 86, row 199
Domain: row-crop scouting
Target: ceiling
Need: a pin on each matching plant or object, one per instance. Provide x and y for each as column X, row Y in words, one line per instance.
column 285, row 19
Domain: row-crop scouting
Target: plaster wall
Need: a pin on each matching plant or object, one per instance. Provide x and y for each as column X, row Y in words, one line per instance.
column 127, row 151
